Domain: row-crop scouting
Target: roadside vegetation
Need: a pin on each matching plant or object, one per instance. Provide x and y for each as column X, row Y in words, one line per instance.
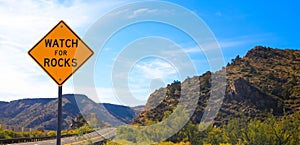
column 240, row 131
column 7, row 134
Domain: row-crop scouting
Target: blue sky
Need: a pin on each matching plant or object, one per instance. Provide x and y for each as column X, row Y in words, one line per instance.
column 238, row 26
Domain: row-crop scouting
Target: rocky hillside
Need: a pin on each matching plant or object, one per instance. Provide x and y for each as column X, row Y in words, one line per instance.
column 264, row 81
column 42, row 113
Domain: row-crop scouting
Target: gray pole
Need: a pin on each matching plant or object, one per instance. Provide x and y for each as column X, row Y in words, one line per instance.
column 59, row 116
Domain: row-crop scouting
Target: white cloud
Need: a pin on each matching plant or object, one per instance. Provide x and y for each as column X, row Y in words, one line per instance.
column 141, row 11
column 192, row 49
column 155, row 69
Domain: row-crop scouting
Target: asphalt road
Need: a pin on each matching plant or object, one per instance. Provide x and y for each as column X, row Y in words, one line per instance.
column 93, row 137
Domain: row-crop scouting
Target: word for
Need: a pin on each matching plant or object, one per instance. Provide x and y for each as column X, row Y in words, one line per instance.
column 60, row 52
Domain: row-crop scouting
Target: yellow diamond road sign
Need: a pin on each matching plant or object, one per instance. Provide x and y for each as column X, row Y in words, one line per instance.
column 60, row 53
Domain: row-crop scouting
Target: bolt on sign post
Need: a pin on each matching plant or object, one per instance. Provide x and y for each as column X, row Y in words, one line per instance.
column 60, row 53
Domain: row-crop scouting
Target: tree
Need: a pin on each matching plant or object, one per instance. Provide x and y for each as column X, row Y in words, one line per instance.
column 78, row 122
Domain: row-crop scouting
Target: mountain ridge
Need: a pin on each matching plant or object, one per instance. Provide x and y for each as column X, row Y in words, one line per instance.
column 264, row 81
column 41, row 113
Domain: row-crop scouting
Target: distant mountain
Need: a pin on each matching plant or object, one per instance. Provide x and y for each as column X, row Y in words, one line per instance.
column 265, row 81
column 42, row 113
column 138, row 109
column 123, row 113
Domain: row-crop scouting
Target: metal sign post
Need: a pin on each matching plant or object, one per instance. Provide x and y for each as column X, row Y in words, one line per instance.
column 59, row 116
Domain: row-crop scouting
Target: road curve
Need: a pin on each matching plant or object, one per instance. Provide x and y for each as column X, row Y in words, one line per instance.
column 93, row 137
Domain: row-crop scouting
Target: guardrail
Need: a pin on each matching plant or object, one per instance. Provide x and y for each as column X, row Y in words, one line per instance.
column 30, row 139
column 33, row 139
